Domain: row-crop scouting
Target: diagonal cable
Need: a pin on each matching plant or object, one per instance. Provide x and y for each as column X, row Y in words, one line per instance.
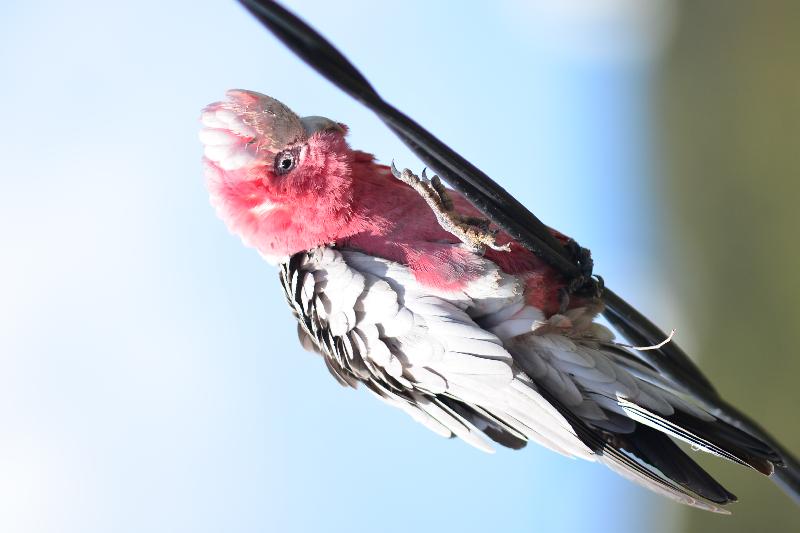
column 483, row 192
column 510, row 215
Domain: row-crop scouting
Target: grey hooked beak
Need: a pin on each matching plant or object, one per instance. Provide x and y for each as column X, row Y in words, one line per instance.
column 311, row 125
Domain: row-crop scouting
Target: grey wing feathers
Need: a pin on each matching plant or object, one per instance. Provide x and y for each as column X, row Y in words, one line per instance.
column 418, row 351
column 481, row 363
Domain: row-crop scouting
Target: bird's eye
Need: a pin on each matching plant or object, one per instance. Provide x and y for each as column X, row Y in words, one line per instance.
column 285, row 161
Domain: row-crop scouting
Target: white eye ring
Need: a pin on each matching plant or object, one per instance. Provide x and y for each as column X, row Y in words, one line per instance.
column 285, row 161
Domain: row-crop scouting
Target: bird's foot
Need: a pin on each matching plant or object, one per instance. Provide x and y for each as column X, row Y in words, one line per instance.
column 585, row 284
column 474, row 232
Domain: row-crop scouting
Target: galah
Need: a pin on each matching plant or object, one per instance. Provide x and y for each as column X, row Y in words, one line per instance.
column 400, row 286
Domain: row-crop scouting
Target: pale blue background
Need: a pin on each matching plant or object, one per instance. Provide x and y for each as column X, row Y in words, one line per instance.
column 150, row 378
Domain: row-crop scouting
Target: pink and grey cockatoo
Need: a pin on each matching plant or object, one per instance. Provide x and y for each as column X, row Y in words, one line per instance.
column 398, row 285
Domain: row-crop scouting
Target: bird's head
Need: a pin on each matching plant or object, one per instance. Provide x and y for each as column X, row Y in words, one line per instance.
column 281, row 182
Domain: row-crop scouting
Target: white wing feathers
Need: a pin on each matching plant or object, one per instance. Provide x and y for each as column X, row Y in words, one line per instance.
column 420, row 350
column 481, row 363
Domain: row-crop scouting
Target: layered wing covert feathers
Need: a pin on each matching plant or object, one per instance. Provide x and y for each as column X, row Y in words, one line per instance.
column 480, row 363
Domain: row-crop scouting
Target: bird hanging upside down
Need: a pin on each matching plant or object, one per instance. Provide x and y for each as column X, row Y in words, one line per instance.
column 400, row 285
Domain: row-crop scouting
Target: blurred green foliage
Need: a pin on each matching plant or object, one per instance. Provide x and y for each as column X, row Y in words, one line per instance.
column 730, row 110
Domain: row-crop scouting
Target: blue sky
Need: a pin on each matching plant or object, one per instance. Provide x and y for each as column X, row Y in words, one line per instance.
column 150, row 378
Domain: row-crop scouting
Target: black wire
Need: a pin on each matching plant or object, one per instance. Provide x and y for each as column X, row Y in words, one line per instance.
column 487, row 195
column 510, row 215
column 483, row 192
